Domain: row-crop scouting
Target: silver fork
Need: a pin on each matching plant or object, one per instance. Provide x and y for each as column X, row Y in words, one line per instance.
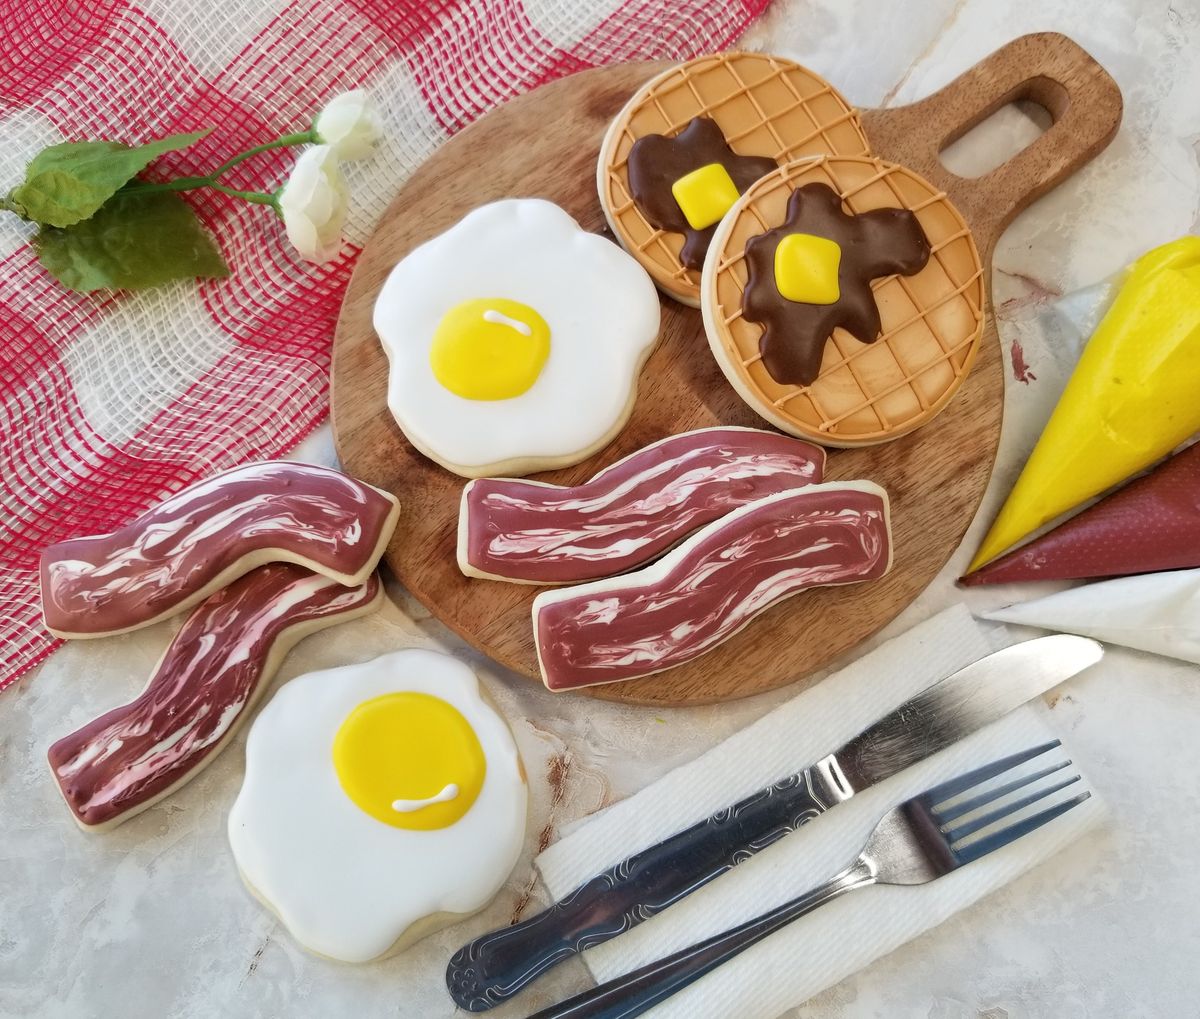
column 919, row 841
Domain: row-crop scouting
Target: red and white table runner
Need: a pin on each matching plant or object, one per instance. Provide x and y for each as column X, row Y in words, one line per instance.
column 110, row 402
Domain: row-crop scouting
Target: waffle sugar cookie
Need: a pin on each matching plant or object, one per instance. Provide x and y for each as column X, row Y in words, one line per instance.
column 843, row 298
column 696, row 136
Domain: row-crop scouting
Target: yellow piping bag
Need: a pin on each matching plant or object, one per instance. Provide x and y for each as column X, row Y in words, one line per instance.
column 1133, row 397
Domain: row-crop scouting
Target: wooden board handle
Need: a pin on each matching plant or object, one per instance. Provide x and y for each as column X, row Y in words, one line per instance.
column 1047, row 68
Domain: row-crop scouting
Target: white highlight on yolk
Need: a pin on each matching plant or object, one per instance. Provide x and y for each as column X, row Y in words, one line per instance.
column 449, row 792
column 499, row 318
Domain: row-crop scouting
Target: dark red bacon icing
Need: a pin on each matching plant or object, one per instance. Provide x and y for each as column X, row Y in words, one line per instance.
column 629, row 513
column 713, row 585
column 209, row 677
column 211, row 532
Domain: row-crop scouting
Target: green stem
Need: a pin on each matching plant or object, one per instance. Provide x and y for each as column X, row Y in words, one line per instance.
column 210, row 180
column 250, row 196
column 193, row 183
column 296, row 138
column 147, row 187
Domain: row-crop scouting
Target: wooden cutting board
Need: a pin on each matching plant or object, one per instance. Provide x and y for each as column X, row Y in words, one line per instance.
column 545, row 145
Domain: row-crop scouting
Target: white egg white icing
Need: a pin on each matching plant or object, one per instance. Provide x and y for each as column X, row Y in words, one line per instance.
column 598, row 302
column 345, row 884
column 448, row 792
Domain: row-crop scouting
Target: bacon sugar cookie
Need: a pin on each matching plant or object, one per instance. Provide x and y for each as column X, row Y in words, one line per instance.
column 205, row 685
column 199, row 540
column 633, row 511
column 713, row 585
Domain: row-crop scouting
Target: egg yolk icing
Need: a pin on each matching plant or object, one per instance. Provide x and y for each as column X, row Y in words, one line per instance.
column 409, row 760
column 489, row 348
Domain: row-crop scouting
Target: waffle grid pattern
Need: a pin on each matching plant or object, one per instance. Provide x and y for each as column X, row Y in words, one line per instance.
column 957, row 351
column 659, row 250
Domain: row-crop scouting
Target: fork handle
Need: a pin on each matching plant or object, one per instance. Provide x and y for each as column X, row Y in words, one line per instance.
column 495, row 966
column 640, row 990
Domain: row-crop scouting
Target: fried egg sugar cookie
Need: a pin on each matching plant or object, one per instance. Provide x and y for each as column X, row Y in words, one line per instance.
column 381, row 802
column 515, row 340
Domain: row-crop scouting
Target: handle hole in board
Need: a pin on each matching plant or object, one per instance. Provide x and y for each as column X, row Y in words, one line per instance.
column 996, row 139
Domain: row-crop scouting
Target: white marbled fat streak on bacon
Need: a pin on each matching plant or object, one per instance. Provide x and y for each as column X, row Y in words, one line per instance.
column 713, row 585
column 211, row 673
column 629, row 513
column 172, row 553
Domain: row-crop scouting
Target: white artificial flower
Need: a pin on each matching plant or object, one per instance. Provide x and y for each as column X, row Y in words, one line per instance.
column 350, row 123
column 314, row 203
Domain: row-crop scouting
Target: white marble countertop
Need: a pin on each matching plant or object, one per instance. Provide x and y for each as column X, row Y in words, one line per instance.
column 151, row 920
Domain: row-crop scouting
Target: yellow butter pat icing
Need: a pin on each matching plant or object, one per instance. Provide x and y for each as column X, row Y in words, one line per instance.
column 806, row 269
column 489, row 348
column 705, row 195
column 1132, row 398
column 409, row 760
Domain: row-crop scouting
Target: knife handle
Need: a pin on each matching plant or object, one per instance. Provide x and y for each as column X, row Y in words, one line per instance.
column 495, row 966
column 636, row 992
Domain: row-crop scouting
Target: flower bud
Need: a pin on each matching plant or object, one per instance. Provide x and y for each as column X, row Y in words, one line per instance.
column 313, row 204
column 350, row 123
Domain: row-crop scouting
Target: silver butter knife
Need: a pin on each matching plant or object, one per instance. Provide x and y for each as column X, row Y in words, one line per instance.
column 494, row 967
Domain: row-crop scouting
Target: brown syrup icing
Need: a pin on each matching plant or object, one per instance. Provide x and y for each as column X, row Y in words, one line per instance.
column 878, row 243
column 656, row 162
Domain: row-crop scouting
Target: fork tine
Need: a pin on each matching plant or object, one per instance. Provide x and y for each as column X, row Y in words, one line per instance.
column 978, row 824
column 943, row 792
column 1008, row 835
column 963, row 807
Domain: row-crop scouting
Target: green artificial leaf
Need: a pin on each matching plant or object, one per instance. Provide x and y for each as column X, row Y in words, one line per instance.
column 133, row 242
column 67, row 183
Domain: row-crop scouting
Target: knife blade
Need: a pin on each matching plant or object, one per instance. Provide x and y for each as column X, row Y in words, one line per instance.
column 495, row 966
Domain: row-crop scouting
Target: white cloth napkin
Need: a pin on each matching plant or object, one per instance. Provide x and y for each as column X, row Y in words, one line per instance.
column 1155, row 612
column 826, row 946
